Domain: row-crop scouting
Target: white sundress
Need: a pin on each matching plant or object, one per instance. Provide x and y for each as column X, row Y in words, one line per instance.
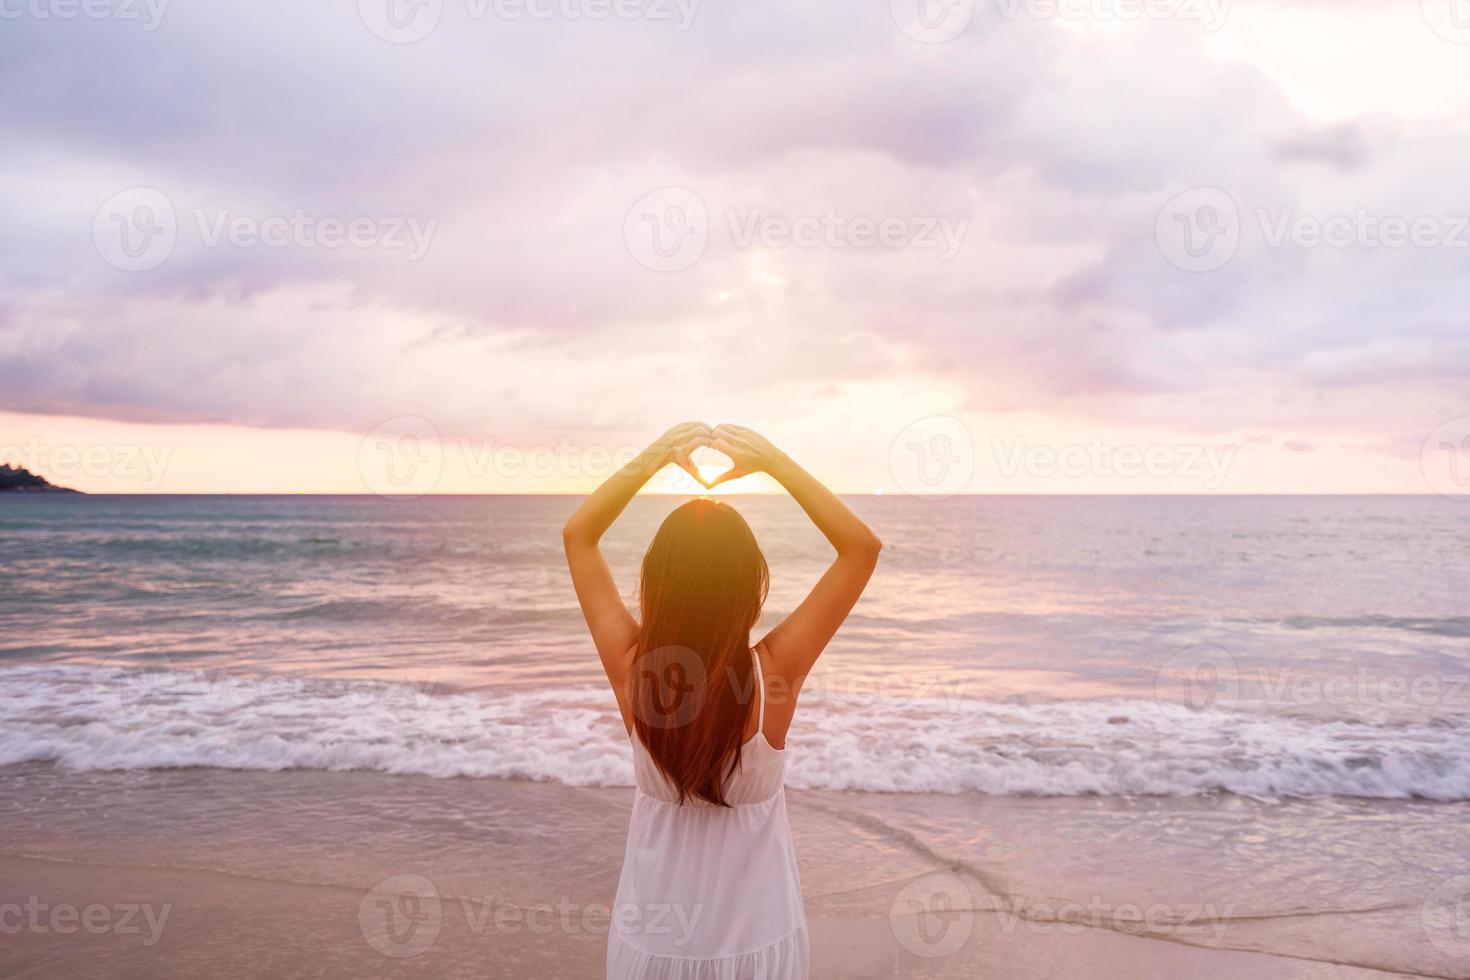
column 707, row 892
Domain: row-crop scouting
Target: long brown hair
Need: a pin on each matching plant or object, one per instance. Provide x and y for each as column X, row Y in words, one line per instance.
column 703, row 583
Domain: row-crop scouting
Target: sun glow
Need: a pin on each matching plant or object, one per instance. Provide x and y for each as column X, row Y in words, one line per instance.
column 708, row 471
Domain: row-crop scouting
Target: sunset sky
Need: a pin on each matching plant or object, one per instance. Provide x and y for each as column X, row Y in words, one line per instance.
column 287, row 247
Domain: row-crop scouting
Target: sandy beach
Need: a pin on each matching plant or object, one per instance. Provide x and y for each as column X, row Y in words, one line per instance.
column 287, row 874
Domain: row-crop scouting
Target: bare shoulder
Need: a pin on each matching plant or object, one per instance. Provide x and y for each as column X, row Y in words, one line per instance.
column 620, row 677
column 780, row 695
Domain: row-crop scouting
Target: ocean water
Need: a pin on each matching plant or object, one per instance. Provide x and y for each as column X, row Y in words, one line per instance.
column 1267, row 647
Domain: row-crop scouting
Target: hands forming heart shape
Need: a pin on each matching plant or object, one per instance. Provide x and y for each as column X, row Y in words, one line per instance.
column 749, row 451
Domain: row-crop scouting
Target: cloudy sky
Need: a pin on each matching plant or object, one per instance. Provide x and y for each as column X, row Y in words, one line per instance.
column 1025, row 246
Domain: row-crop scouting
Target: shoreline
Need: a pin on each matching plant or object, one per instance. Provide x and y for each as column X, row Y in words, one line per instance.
column 259, row 882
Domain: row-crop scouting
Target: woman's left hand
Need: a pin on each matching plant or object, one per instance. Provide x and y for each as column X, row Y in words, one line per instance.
column 676, row 445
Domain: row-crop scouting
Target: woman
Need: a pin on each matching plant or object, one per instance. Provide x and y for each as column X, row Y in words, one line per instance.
column 709, row 887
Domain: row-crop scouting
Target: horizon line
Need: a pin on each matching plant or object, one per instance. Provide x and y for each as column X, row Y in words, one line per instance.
column 61, row 492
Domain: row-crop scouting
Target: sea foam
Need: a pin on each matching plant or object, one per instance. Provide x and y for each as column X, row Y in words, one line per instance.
column 107, row 718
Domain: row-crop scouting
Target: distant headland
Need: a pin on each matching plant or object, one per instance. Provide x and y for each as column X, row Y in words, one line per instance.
column 15, row 479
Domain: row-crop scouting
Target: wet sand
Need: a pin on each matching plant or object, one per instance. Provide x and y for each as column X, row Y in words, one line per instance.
column 202, row 872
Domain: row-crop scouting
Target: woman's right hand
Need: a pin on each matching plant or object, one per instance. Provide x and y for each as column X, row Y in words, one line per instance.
column 749, row 451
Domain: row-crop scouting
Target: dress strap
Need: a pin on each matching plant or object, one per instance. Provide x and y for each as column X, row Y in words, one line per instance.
column 760, row 691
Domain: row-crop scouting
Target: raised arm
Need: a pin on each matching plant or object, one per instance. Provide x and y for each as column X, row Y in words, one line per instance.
column 800, row 638
column 612, row 626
